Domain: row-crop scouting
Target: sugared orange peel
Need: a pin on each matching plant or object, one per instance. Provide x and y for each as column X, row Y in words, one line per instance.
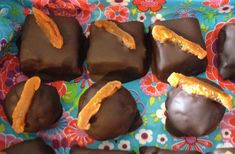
column 163, row 34
column 195, row 86
column 49, row 28
column 93, row 106
column 113, row 28
column 22, row 107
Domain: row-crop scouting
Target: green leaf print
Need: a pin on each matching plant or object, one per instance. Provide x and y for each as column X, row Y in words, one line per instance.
column 15, row 10
column 207, row 14
column 151, row 100
column 218, row 137
column 71, row 93
column 187, row 4
column 2, row 128
column 204, row 28
column 229, row 16
column 76, row 100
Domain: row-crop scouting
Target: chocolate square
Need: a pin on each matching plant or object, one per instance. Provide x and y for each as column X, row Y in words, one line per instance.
column 226, row 52
column 108, row 58
column 39, row 57
column 168, row 58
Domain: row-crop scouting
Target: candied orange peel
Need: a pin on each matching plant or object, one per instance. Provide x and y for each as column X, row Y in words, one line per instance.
column 23, row 105
column 193, row 85
column 163, row 34
column 113, row 28
column 49, row 28
column 93, row 106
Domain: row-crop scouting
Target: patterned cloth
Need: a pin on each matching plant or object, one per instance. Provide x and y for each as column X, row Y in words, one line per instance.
column 148, row 91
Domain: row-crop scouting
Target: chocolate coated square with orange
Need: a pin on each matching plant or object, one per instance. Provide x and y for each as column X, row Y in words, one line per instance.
column 178, row 49
column 46, row 55
column 108, row 110
column 194, row 106
column 31, row 112
column 77, row 150
column 34, row 146
column 156, row 150
column 226, row 52
column 117, row 51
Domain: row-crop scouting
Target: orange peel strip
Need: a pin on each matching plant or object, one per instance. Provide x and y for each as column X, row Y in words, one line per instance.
column 22, row 107
column 112, row 28
column 49, row 28
column 193, row 85
column 93, row 106
column 163, row 34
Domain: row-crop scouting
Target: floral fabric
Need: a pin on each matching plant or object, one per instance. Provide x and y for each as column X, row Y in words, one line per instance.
column 149, row 92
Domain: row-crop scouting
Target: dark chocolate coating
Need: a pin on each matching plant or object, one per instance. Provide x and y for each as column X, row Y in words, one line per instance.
column 168, row 58
column 155, row 150
column 118, row 114
column 39, row 57
column 44, row 110
column 35, row 146
column 223, row 151
column 109, row 59
column 191, row 115
column 76, row 150
column 226, row 52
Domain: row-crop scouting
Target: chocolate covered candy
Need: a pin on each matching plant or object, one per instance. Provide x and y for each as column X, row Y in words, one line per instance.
column 43, row 111
column 117, row 51
column 223, row 151
column 194, row 106
column 39, row 57
column 170, row 55
column 35, row 146
column 115, row 113
column 226, row 52
column 155, row 150
column 76, row 150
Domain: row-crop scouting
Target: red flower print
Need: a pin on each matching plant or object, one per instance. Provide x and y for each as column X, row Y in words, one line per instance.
column 191, row 143
column 118, row 13
column 215, row 3
column 60, row 86
column 85, row 78
column 228, row 127
column 7, row 141
column 212, row 71
column 40, row 3
column 145, row 5
column 2, row 114
column 151, row 86
column 26, row 11
column 73, row 134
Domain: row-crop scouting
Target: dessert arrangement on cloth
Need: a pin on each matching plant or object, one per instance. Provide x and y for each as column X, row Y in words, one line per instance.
column 117, row 76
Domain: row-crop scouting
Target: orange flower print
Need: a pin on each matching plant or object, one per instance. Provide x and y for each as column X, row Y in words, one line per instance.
column 118, row 13
column 215, row 3
column 212, row 71
column 145, row 5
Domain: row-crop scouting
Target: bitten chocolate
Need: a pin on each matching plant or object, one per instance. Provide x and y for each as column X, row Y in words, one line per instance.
column 168, row 57
column 118, row 114
column 44, row 110
column 39, row 58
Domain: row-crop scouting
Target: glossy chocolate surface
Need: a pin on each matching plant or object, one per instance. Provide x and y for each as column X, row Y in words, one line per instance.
column 76, row 150
column 117, row 115
column 226, row 52
column 44, row 110
column 155, row 150
column 35, row 146
column 39, row 57
column 109, row 59
column 191, row 115
column 223, row 151
column 168, row 58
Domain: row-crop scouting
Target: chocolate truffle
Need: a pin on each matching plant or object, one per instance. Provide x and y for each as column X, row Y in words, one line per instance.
column 155, row 150
column 35, row 146
column 117, row 115
column 169, row 57
column 226, row 52
column 191, row 114
column 76, row 150
column 223, row 151
column 38, row 56
column 45, row 108
column 109, row 59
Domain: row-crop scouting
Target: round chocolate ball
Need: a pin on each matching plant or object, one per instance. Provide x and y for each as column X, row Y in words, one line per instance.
column 45, row 108
column 191, row 115
column 117, row 115
column 35, row 146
